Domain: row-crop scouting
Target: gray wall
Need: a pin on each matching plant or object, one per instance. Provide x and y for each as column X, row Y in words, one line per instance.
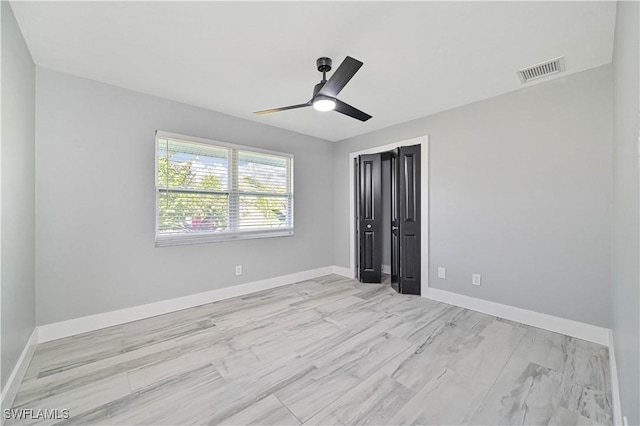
column 626, row 214
column 96, row 202
column 18, row 193
column 520, row 193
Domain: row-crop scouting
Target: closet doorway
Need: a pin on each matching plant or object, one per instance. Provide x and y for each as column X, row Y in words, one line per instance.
column 389, row 230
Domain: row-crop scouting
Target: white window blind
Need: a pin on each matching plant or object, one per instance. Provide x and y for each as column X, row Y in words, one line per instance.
column 211, row 191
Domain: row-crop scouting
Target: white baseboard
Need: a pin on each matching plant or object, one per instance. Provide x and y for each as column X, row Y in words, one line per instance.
column 75, row 326
column 13, row 383
column 386, row 269
column 345, row 272
column 615, row 385
column 108, row 319
column 564, row 326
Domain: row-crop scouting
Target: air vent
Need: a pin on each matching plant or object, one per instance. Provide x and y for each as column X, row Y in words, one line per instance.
column 544, row 69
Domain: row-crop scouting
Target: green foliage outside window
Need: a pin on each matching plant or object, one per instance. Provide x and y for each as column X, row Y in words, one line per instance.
column 189, row 211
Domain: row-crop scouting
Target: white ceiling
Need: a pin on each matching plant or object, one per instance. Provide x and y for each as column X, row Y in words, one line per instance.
column 238, row 57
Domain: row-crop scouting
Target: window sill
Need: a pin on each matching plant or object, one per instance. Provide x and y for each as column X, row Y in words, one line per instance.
column 218, row 238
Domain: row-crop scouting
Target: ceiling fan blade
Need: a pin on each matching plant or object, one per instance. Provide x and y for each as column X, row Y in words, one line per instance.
column 347, row 109
column 269, row 111
column 340, row 77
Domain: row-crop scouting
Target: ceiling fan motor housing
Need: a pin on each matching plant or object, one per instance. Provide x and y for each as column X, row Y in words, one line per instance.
column 317, row 88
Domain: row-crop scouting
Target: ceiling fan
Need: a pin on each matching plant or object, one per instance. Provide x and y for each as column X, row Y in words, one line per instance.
column 325, row 92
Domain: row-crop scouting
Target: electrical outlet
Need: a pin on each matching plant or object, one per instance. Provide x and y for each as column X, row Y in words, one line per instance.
column 238, row 269
column 442, row 272
column 475, row 279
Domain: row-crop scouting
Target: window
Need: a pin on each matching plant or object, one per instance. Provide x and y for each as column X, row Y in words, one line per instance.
column 211, row 191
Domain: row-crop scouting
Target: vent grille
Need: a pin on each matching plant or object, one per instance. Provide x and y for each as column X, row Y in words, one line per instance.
column 544, row 69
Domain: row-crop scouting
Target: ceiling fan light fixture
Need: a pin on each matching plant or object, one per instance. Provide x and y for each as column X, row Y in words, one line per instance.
column 322, row 103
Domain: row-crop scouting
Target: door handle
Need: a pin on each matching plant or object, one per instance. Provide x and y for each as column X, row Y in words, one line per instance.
column 369, row 226
column 394, row 228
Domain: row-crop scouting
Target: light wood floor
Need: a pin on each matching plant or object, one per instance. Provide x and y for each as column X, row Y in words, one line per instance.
column 324, row 351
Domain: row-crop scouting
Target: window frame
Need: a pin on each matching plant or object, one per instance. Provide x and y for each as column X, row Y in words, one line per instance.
column 232, row 191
